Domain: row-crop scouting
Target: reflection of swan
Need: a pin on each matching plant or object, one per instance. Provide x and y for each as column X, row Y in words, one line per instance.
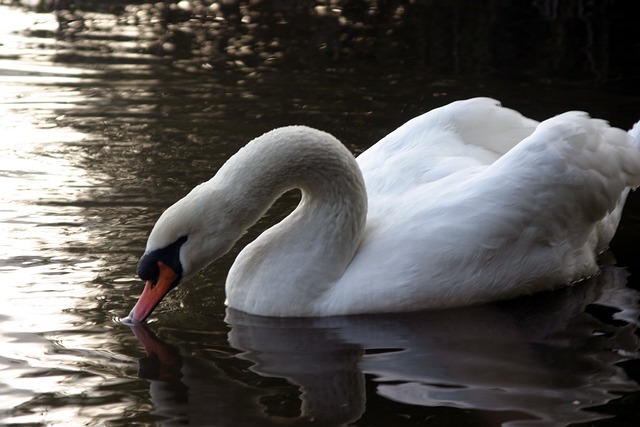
column 190, row 390
column 543, row 359
column 538, row 361
column 466, row 204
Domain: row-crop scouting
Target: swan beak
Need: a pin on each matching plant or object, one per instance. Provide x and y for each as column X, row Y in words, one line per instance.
column 153, row 294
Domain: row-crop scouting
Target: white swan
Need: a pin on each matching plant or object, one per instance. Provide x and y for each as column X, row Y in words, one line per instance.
column 466, row 204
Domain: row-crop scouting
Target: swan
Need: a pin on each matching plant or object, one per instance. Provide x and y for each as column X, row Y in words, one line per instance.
column 466, row 204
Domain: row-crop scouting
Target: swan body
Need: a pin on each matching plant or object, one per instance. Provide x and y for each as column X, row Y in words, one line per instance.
column 465, row 204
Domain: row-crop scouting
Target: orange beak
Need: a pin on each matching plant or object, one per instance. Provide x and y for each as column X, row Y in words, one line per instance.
column 153, row 294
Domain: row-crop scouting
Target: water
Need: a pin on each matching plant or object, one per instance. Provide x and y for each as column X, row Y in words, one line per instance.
column 99, row 134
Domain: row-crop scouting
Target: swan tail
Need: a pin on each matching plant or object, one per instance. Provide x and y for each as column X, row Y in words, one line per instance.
column 635, row 135
column 601, row 155
column 575, row 172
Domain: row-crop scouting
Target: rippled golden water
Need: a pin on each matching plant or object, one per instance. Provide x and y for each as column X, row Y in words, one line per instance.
column 98, row 135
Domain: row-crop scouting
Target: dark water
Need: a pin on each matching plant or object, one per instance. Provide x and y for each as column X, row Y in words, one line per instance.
column 100, row 133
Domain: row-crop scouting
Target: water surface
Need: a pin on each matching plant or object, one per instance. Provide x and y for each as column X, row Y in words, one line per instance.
column 100, row 134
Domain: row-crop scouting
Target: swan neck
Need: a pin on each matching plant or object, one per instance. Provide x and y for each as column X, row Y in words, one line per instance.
column 295, row 158
column 311, row 248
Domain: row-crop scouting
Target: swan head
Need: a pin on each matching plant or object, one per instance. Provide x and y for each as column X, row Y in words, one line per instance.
column 187, row 236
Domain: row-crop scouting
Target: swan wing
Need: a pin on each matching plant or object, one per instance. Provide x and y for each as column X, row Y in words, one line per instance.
column 532, row 220
column 441, row 142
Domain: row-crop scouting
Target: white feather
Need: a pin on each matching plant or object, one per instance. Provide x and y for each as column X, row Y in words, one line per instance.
column 466, row 204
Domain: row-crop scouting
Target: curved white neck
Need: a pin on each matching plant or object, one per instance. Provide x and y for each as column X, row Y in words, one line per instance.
column 312, row 247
